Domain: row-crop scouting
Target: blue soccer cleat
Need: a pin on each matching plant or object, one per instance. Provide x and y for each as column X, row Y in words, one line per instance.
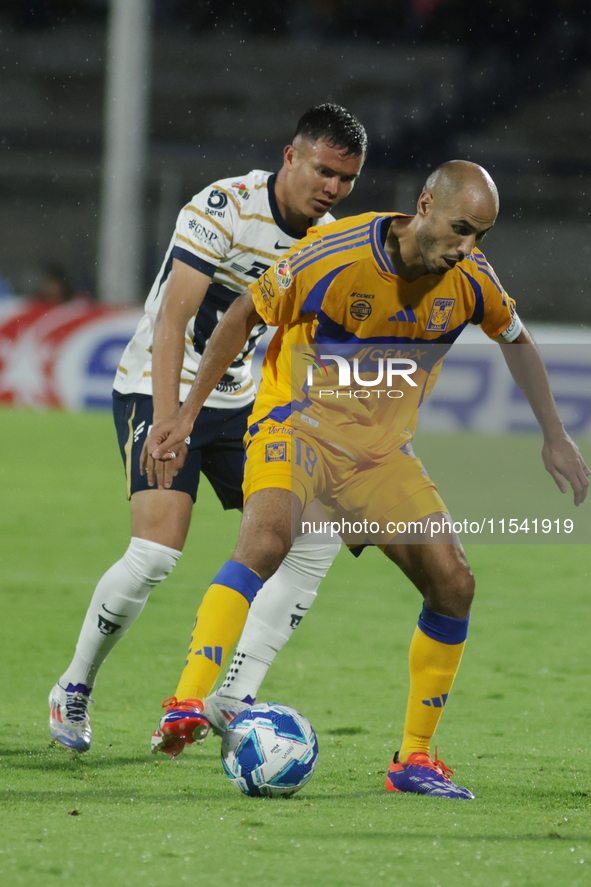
column 68, row 716
column 422, row 776
column 183, row 724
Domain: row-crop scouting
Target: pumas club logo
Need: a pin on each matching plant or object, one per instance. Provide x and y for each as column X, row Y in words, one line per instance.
column 106, row 627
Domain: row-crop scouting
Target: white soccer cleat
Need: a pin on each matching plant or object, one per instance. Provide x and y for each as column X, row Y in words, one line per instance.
column 220, row 710
column 69, row 723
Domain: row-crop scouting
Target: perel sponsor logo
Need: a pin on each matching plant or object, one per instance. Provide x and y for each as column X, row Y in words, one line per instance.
column 217, row 199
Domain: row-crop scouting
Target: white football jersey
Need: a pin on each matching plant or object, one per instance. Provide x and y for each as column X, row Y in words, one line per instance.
column 233, row 232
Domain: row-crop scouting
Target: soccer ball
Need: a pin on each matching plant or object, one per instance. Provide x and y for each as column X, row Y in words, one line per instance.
column 269, row 750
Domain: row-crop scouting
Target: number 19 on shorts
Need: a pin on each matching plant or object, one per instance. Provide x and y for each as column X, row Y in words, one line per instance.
column 305, row 456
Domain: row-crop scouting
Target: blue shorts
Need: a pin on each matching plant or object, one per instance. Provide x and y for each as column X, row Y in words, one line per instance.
column 216, row 448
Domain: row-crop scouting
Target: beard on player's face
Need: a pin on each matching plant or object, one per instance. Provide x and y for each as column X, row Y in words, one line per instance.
column 427, row 244
column 435, row 248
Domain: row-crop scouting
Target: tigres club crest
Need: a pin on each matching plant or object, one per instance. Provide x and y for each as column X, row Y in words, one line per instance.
column 283, row 274
column 276, row 451
column 440, row 315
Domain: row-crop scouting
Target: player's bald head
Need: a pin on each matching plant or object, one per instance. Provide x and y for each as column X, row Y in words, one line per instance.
column 456, row 209
column 463, row 179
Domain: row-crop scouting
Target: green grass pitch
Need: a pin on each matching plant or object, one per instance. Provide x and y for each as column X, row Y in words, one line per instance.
column 516, row 728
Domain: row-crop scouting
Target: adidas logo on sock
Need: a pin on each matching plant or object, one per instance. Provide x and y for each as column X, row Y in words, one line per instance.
column 436, row 701
column 214, row 654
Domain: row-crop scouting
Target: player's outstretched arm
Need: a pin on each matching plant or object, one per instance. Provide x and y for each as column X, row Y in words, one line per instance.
column 184, row 294
column 226, row 343
column 560, row 453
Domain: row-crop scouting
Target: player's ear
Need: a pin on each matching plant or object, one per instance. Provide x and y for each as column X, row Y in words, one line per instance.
column 289, row 156
column 424, row 203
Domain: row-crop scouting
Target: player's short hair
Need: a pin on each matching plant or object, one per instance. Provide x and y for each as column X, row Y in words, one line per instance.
column 337, row 126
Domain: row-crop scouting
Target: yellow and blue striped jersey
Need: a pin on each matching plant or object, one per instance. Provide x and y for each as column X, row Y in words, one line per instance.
column 336, row 296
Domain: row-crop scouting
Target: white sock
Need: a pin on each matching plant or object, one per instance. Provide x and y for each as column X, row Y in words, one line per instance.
column 118, row 600
column 276, row 612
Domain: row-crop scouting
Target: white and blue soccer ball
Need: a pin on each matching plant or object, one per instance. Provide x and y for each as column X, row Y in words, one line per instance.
column 269, row 750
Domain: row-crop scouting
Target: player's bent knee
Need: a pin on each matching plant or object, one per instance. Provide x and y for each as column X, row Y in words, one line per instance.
column 267, row 556
column 459, row 581
column 465, row 586
column 452, row 593
column 149, row 562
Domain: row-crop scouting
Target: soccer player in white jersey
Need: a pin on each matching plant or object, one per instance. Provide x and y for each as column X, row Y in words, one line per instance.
column 225, row 238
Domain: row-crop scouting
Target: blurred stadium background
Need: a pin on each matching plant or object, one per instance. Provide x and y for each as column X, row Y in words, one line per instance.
column 207, row 89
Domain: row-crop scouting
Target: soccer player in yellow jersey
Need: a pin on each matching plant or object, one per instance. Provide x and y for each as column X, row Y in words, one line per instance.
column 366, row 309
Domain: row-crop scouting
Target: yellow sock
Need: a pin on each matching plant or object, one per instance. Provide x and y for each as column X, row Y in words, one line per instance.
column 219, row 624
column 433, row 662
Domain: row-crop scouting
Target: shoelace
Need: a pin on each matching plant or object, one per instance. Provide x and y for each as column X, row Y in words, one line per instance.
column 170, row 702
column 183, row 705
column 445, row 771
column 77, row 706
